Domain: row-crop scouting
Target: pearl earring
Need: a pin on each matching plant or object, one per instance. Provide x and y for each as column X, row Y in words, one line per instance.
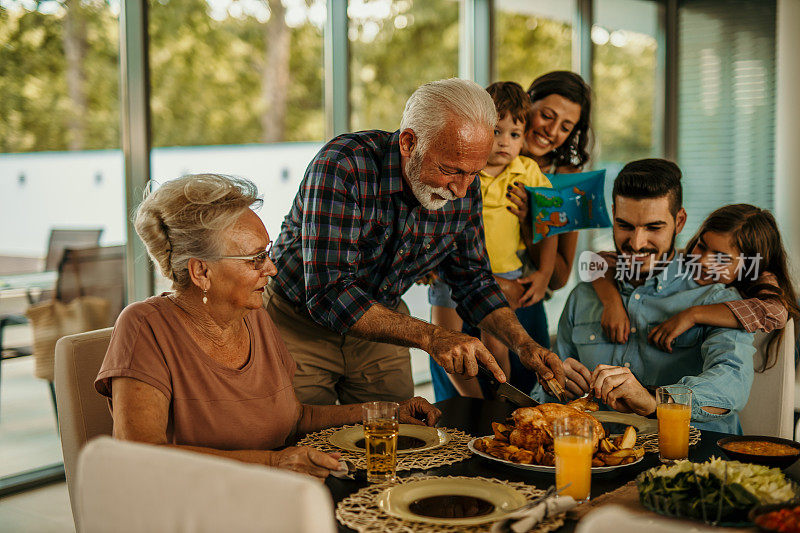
column 205, row 297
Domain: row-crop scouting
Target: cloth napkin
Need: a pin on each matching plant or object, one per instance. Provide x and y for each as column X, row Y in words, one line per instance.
column 526, row 519
column 343, row 472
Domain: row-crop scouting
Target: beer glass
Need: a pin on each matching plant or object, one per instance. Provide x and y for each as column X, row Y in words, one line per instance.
column 572, row 443
column 380, row 435
column 673, row 410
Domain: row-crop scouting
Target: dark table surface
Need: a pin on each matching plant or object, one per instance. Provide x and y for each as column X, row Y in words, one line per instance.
column 475, row 417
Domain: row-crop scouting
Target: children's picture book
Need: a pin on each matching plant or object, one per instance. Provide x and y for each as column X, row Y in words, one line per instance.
column 576, row 201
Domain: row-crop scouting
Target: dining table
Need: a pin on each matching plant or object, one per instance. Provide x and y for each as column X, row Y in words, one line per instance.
column 475, row 416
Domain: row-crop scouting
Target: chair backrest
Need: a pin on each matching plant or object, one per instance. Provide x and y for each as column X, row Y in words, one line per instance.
column 82, row 412
column 125, row 486
column 770, row 408
column 96, row 271
column 69, row 238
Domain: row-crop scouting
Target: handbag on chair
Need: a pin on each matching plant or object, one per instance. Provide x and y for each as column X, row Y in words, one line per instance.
column 54, row 319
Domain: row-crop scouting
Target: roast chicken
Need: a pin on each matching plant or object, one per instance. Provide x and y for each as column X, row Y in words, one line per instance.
column 533, row 426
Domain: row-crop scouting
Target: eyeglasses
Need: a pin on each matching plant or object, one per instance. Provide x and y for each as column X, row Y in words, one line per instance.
column 258, row 261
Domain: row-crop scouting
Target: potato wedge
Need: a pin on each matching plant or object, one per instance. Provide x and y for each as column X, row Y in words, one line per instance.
column 523, row 457
column 606, row 446
column 596, row 461
column 628, row 452
column 638, row 452
column 501, row 431
column 616, row 458
column 627, row 460
column 608, row 459
column 628, row 438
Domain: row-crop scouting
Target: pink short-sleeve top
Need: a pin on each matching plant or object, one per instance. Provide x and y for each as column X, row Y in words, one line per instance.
column 211, row 405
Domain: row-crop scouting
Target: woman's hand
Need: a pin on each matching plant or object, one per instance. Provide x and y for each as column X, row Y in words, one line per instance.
column 419, row 411
column 615, row 323
column 665, row 333
column 518, row 196
column 306, row 461
column 535, row 287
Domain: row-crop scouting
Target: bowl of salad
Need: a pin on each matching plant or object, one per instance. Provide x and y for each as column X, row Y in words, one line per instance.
column 718, row 492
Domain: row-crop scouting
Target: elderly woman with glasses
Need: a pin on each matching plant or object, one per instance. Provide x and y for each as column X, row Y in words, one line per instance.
column 203, row 367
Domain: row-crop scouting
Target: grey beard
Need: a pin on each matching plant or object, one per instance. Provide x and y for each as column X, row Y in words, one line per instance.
column 422, row 192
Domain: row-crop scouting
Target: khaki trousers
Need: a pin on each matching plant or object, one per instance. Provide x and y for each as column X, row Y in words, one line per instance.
column 333, row 367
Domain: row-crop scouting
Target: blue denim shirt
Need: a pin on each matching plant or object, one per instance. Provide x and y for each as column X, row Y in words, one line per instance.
column 716, row 363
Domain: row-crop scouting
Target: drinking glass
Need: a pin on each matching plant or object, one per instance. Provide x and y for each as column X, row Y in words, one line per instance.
column 674, row 410
column 572, row 441
column 380, row 435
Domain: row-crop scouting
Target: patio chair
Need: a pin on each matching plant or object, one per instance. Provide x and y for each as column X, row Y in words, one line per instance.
column 83, row 412
column 59, row 240
column 89, row 295
column 770, row 408
column 127, row 486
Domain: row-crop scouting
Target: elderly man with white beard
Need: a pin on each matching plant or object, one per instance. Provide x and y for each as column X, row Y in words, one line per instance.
column 376, row 211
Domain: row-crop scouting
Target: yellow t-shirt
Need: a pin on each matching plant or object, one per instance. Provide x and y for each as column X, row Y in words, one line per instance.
column 500, row 225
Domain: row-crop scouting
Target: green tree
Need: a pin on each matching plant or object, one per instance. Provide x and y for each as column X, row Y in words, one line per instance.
column 624, row 88
column 415, row 44
column 528, row 46
column 39, row 109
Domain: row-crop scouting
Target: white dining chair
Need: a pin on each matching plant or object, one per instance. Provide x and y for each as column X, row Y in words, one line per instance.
column 618, row 519
column 770, row 408
column 131, row 487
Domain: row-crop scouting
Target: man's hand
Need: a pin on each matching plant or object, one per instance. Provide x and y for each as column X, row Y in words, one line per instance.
column 544, row 362
column 419, row 411
column 459, row 353
column 578, row 378
column 617, row 387
column 615, row 323
column 664, row 334
column 305, row 460
column 511, row 290
column 535, row 286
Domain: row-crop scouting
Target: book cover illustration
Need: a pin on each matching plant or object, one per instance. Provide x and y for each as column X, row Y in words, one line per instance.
column 576, row 201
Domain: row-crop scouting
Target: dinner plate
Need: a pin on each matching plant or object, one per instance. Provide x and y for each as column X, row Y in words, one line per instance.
column 348, row 438
column 539, row 468
column 397, row 501
column 643, row 426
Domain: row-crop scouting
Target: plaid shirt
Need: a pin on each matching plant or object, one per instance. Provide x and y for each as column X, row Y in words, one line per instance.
column 356, row 237
column 765, row 311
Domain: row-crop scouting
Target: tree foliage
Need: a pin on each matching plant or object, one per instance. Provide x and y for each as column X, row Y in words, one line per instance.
column 213, row 80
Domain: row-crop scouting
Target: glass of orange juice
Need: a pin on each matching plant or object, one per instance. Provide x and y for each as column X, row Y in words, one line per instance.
column 674, row 410
column 572, row 442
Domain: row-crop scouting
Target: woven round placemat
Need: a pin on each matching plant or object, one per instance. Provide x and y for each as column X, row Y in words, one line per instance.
column 650, row 441
column 360, row 511
column 453, row 451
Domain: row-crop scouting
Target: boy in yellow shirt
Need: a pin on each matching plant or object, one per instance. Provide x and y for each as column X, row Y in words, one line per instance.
column 502, row 228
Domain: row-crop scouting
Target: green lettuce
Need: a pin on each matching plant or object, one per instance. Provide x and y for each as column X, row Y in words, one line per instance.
column 714, row 491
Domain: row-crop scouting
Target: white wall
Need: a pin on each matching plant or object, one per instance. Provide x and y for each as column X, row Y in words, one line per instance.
column 42, row 190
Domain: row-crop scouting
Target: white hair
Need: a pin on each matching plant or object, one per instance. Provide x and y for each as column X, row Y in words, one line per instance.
column 433, row 104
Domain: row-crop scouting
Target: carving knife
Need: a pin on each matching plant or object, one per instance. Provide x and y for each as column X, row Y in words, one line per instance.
column 507, row 391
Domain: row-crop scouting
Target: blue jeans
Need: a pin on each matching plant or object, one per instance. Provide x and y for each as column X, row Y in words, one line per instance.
column 534, row 320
